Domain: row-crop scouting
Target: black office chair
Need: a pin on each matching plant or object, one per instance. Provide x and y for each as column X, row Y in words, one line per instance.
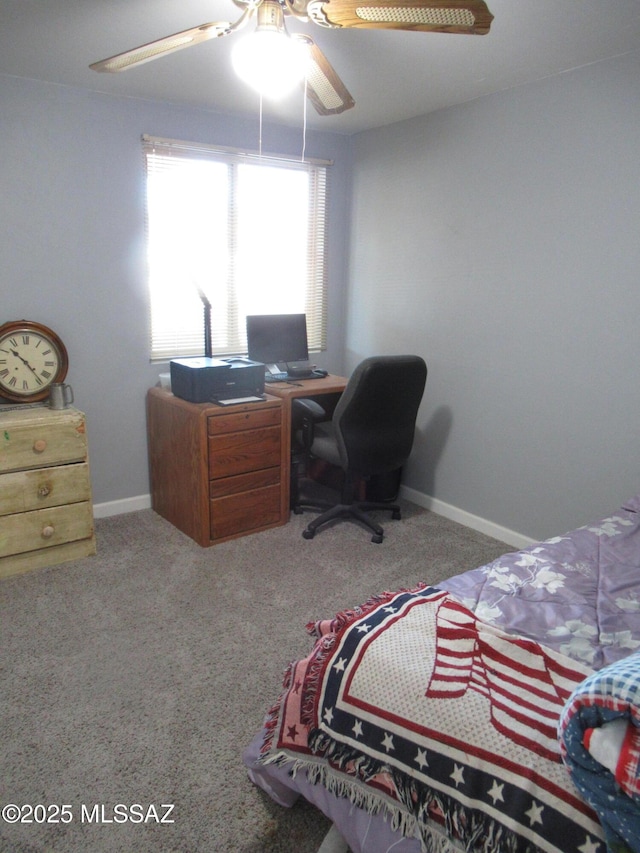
column 370, row 434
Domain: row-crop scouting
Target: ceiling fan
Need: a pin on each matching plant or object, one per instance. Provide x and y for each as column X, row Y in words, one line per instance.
column 324, row 88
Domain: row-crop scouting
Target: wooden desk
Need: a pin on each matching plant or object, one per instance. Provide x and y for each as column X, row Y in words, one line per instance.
column 221, row 472
column 217, row 472
column 287, row 392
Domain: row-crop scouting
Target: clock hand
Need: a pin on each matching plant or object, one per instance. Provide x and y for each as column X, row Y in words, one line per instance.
column 24, row 361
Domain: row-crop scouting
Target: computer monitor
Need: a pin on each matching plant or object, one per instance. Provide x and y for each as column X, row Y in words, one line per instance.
column 277, row 338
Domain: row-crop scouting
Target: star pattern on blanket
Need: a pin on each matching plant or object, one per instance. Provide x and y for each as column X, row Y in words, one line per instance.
column 589, row 846
column 421, row 759
column 496, row 792
column 458, row 775
column 535, row 813
column 376, row 749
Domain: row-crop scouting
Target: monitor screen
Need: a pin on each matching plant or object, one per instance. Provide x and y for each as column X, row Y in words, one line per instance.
column 277, row 338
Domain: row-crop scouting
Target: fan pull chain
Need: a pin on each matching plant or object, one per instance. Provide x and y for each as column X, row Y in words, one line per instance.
column 304, row 120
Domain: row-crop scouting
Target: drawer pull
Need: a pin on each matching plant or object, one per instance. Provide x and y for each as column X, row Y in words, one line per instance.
column 44, row 490
column 40, row 445
column 48, row 531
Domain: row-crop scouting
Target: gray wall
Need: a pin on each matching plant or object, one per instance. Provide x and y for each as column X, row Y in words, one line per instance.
column 72, row 252
column 500, row 240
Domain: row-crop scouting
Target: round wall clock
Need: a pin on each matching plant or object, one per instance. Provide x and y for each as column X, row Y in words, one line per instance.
column 32, row 357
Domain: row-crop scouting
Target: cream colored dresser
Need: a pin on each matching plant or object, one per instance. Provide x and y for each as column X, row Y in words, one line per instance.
column 46, row 513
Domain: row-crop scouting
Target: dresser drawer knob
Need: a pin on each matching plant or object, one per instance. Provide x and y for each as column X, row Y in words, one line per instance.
column 48, row 531
column 40, row 445
column 44, row 490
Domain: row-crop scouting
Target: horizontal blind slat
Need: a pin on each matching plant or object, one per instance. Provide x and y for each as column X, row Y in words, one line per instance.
column 193, row 221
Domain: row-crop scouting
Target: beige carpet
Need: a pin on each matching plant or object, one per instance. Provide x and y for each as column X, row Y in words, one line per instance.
column 139, row 675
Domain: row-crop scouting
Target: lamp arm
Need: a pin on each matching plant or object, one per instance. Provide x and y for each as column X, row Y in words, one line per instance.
column 208, row 347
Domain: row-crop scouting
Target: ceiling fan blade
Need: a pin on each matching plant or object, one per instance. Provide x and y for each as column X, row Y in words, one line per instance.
column 161, row 47
column 440, row 16
column 325, row 89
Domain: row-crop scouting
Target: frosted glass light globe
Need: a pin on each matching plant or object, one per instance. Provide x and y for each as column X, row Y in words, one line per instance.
column 270, row 62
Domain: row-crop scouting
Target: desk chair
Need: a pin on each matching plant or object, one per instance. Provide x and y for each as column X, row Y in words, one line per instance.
column 370, row 433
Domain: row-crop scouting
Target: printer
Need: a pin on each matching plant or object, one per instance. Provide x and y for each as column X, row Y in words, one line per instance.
column 204, row 380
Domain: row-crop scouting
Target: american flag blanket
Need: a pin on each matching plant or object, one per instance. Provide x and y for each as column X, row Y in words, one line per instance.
column 412, row 707
column 606, row 769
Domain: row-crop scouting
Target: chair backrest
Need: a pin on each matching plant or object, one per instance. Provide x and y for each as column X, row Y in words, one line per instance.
column 374, row 420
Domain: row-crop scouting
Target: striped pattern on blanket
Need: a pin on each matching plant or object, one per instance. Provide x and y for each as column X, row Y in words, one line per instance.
column 358, row 717
column 525, row 685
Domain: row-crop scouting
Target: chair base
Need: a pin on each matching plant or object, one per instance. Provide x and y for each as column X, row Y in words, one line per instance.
column 353, row 512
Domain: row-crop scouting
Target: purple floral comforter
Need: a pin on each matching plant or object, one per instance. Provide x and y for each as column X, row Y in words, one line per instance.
column 578, row 593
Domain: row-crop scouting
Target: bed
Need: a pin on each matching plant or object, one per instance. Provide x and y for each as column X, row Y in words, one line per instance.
column 462, row 717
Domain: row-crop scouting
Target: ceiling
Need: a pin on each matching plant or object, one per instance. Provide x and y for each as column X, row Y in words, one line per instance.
column 392, row 75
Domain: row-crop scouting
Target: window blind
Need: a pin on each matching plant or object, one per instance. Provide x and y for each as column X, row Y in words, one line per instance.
column 244, row 232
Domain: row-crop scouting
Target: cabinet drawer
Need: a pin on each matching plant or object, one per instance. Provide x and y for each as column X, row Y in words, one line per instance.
column 245, row 512
column 21, row 491
column 221, row 424
column 244, row 482
column 44, row 528
column 15, row 564
column 239, row 452
column 41, row 445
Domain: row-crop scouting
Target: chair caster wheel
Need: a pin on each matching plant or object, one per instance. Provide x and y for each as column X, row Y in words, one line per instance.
column 396, row 514
column 377, row 538
column 308, row 534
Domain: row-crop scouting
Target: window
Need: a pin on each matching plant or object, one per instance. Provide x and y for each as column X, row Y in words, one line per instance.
column 245, row 231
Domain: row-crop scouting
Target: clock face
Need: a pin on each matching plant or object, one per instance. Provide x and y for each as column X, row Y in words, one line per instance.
column 31, row 358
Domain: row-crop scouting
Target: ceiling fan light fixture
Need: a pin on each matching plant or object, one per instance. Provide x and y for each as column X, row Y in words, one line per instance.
column 270, row 62
column 273, row 62
column 267, row 59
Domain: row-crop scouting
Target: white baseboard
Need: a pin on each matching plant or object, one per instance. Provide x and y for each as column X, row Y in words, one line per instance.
column 104, row 510
column 475, row 522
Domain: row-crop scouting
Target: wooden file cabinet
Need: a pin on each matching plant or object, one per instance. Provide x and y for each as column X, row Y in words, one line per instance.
column 46, row 514
column 216, row 471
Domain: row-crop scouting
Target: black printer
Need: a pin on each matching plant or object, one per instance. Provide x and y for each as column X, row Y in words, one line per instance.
column 205, row 380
